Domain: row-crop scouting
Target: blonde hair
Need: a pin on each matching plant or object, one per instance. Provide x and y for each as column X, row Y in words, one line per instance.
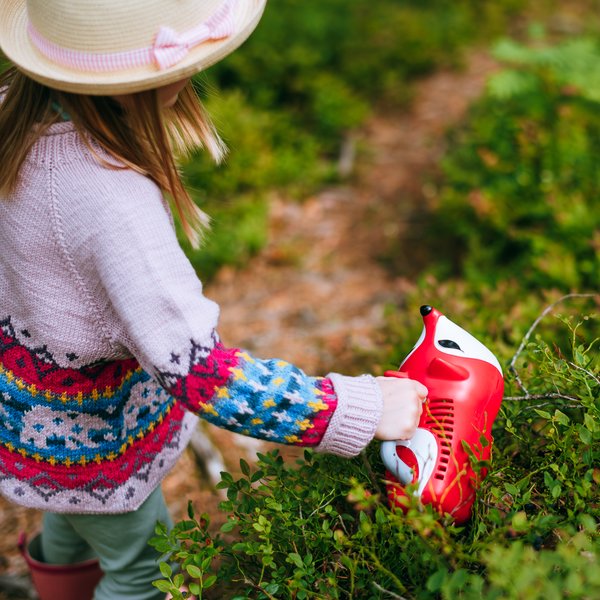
column 142, row 136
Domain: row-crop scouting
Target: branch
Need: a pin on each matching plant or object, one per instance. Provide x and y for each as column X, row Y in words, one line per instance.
column 586, row 371
column 550, row 396
column 525, row 339
column 208, row 457
column 390, row 594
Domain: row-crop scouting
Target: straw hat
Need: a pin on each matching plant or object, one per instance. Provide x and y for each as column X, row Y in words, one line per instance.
column 121, row 46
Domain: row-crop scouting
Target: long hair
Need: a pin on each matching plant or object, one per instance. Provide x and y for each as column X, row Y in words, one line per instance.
column 142, row 135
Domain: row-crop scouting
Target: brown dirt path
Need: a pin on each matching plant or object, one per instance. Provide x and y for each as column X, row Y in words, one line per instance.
column 316, row 294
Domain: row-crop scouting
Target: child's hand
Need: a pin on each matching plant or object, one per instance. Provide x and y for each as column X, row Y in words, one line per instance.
column 402, row 407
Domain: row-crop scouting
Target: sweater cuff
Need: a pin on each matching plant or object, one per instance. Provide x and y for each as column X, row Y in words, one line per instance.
column 356, row 416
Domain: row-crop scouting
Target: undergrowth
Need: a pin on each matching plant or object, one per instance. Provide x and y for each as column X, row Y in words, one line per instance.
column 322, row 528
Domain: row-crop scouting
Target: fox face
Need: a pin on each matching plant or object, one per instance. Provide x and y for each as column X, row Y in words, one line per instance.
column 446, row 352
column 440, row 336
column 465, row 385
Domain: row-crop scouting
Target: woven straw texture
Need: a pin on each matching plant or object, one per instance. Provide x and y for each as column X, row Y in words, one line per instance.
column 95, row 27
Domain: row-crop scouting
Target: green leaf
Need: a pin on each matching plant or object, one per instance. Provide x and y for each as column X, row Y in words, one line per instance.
column 194, row 571
column 162, row 585
column 244, row 467
column 435, row 582
column 584, row 435
column 165, row 569
column 296, row 559
column 519, row 521
column 256, row 476
column 229, row 526
column 160, row 529
column 190, row 509
column 591, row 423
column 272, row 588
column 556, row 490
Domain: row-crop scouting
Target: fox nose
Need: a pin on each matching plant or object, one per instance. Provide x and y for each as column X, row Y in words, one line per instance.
column 425, row 310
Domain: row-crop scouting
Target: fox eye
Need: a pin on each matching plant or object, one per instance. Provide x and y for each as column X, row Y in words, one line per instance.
column 449, row 344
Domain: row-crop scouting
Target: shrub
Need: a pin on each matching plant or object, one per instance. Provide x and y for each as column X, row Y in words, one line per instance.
column 308, row 75
column 322, row 529
column 520, row 186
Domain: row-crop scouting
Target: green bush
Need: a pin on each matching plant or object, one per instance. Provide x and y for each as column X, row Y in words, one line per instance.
column 266, row 152
column 308, row 75
column 520, row 187
column 369, row 49
column 517, row 196
column 322, row 528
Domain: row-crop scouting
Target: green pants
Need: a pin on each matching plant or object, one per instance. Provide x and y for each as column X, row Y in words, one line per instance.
column 119, row 541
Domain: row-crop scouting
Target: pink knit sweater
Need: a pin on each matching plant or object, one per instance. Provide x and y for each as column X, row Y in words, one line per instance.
column 109, row 349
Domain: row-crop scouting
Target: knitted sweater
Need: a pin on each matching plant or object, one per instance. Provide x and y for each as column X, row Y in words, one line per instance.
column 109, row 349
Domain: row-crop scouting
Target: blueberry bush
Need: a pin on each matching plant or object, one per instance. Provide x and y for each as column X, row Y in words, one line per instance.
column 322, row 528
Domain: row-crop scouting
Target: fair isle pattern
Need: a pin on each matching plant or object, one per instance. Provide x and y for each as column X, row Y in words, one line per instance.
column 288, row 407
column 265, row 399
column 85, row 435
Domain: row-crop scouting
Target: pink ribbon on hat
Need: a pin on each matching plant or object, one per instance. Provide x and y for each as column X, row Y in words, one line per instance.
column 169, row 47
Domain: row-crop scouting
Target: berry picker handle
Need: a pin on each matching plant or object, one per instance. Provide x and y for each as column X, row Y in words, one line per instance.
column 413, row 450
column 397, row 374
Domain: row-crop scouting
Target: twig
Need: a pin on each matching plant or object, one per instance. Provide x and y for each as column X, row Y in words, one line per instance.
column 534, row 406
column 550, row 396
column 258, row 588
column 525, row 339
column 390, row 594
column 347, row 155
column 208, row 457
column 586, row 371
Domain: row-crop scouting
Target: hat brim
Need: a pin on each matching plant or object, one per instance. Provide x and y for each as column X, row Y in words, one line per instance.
column 16, row 45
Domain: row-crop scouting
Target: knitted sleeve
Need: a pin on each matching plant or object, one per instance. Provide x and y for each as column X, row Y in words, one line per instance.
column 118, row 234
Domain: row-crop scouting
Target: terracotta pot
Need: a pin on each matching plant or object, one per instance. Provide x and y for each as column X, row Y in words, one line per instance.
column 76, row 581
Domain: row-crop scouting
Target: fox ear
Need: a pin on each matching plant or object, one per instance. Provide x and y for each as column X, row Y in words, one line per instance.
column 442, row 369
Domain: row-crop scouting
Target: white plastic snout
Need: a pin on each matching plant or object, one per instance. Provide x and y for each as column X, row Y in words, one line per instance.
column 424, row 446
column 466, row 344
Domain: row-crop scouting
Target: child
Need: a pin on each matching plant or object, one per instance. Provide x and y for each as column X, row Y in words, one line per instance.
column 108, row 348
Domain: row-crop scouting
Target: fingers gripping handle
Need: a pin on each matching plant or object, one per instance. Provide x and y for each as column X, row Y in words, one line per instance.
column 410, row 460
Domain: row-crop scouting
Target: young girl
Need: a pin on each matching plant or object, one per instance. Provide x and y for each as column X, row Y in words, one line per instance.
column 108, row 348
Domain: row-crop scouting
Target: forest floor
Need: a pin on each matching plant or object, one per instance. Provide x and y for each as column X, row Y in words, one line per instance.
column 317, row 293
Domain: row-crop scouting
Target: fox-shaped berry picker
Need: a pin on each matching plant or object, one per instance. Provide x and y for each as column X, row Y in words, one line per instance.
column 465, row 386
